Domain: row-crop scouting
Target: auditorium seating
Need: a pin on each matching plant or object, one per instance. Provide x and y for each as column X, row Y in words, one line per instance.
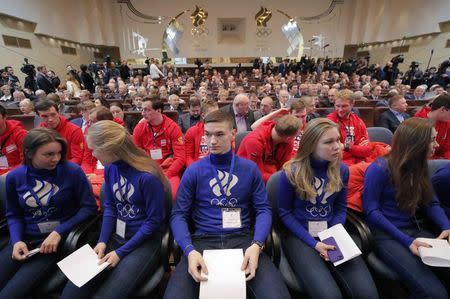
column 380, row 134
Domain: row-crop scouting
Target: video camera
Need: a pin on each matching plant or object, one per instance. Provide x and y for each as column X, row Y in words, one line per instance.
column 398, row 59
column 27, row 68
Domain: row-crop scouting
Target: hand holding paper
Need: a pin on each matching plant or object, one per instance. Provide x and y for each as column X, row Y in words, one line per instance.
column 414, row 247
column 344, row 242
column 437, row 255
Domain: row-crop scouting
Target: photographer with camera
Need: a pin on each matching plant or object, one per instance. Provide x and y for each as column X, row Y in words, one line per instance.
column 414, row 76
column 30, row 81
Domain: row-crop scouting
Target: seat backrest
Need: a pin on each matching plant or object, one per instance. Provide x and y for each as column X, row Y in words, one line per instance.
column 380, row 134
column 239, row 137
column 435, row 165
column 272, row 193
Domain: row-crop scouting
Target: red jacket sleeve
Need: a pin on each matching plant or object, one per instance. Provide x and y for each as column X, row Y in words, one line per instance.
column 19, row 141
column 77, row 146
column 253, row 149
column 190, row 145
column 137, row 140
column 89, row 162
column 179, row 153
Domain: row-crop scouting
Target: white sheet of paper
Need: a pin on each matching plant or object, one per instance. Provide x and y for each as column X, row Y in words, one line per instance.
column 438, row 255
column 344, row 241
column 225, row 278
column 81, row 266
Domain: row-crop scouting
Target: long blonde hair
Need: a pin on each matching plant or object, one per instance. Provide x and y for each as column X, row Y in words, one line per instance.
column 299, row 170
column 111, row 137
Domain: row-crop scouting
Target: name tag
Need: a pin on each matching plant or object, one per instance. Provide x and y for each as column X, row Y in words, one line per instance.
column 3, row 162
column 100, row 165
column 47, row 227
column 231, row 218
column 156, row 154
column 11, row 148
column 120, row 228
column 315, row 227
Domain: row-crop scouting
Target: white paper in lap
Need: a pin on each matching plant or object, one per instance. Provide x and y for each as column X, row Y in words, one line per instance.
column 438, row 255
column 225, row 278
column 81, row 266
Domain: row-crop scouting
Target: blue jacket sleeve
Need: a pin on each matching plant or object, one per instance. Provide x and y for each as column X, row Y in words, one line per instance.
column 262, row 208
column 88, row 207
column 14, row 212
column 181, row 211
column 437, row 214
column 109, row 211
column 153, row 190
column 374, row 181
column 286, row 197
column 340, row 204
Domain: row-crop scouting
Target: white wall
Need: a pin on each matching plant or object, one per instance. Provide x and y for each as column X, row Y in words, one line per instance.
column 100, row 22
column 44, row 51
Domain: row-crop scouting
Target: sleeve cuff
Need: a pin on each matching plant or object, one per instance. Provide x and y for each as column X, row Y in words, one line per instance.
column 188, row 249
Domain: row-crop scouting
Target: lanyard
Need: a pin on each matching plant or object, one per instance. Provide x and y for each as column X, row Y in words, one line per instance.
column 324, row 186
column 230, row 176
column 154, row 134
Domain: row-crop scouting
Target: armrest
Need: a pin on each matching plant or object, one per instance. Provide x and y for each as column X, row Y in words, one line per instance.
column 166, row 244
column 3, row 224
column 80, row 230
column 363, row 232
column 276, row 247
column 177, row 252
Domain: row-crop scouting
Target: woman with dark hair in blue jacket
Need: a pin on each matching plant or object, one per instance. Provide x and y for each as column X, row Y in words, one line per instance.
column 397, row 189
column 45, row 199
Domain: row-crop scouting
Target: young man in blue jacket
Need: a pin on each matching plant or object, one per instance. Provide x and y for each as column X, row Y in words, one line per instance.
column 223, row 199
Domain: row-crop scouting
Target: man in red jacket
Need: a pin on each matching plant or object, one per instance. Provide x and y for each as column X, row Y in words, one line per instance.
column 49, row 113
column 352, row 129
column 11, row 139
column 439, row 113
column 271, row 144
column 162, row 139
column 196, row 147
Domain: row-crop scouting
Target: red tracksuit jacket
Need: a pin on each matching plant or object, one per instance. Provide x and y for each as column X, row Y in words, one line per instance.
column 258, row 147
column 443, row 135
column 354, row 129
column 11, row 144
column 74, row 137
column 168, row 138
column 196, row 146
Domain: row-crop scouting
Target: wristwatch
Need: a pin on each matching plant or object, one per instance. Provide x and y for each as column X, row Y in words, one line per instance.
column 260, row 245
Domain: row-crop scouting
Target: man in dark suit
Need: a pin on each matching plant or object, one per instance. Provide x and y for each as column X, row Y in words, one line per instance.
column 283, row 67
column 43, row 81
column 396, row 114
column 243, row 117
column 191, row 118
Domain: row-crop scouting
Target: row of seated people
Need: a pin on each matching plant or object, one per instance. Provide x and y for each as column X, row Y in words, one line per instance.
column 163, row 140
column 48, row 195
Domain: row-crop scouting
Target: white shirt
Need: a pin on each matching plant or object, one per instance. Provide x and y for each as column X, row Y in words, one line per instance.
column 155, row 72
